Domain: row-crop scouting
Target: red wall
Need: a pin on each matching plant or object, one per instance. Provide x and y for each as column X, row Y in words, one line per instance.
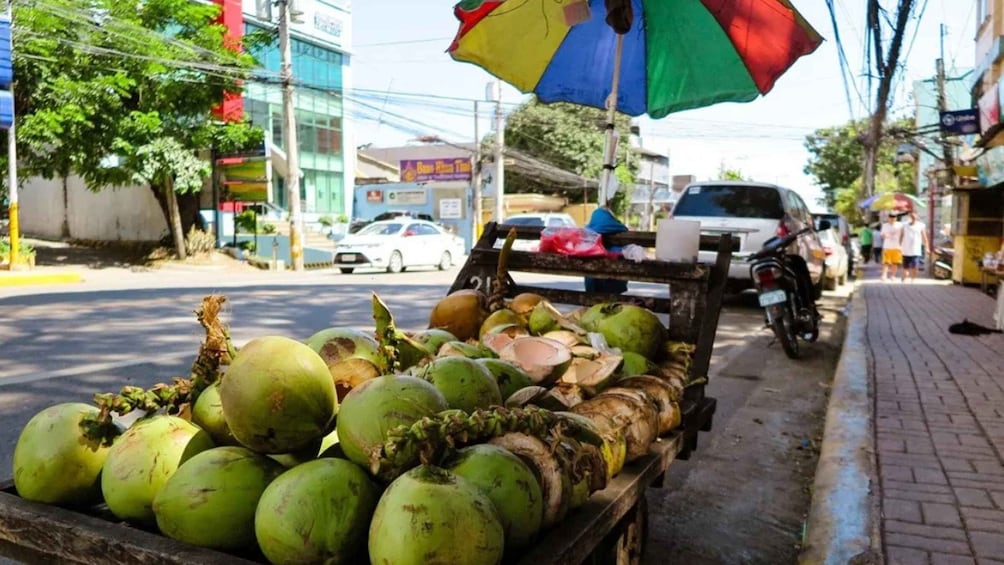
column 232, row 106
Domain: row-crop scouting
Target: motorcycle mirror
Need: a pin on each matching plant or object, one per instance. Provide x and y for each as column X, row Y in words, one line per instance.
column 824, row 225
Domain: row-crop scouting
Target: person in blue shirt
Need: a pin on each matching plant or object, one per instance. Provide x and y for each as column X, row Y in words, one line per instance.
column 604, row 222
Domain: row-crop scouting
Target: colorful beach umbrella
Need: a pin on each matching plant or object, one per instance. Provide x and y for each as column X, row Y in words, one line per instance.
column 634, row 56
column 676, row 54
column 893, row 201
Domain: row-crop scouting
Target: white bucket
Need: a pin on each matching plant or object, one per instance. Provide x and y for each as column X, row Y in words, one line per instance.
column 677, row 240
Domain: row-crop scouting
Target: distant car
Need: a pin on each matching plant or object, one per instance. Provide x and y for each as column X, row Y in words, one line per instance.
column 542, row 220
column 837, row 260
column 844, row 233
column 395, row 245
column 753, row 213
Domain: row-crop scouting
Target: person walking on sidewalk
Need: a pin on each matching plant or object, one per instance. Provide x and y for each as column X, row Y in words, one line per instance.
column 865, row 239
column 877, row 242
column 915, row 245
column 892, row 247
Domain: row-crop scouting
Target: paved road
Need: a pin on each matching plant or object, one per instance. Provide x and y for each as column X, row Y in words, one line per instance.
column 63, row 346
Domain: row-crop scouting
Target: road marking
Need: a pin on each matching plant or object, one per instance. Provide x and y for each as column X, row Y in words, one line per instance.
column 91, row 368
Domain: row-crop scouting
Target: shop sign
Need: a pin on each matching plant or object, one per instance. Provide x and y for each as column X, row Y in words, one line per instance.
column 451, row 208
column 960, row 122
column 990, row 110
column 420, row 170
column 991, row 166
column 406, row 197
column 375, row 196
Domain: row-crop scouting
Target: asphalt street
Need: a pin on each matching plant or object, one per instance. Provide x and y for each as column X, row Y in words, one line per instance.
column 65, row 346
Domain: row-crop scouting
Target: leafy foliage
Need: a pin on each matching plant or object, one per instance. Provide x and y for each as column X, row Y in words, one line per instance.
column 568, row 136
column 117, row 91
column 837, row 165
column 199, row 242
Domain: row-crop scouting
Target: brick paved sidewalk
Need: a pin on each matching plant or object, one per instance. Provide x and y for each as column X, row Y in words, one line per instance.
column 939, row 423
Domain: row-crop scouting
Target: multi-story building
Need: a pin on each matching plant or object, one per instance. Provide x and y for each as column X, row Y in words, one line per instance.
column 320, row 39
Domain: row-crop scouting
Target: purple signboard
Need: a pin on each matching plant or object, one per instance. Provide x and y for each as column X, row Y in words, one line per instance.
column 418, row 170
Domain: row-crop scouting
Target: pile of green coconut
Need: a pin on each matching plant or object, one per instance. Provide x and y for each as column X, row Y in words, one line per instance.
column 460, row 443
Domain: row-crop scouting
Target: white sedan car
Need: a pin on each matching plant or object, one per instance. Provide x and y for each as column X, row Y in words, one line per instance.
column 397, row 244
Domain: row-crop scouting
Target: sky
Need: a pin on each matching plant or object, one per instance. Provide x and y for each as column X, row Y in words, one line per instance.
column 404, row 85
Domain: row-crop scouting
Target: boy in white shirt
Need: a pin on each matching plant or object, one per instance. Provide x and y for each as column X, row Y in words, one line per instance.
column 914, row 245
column 892, row 247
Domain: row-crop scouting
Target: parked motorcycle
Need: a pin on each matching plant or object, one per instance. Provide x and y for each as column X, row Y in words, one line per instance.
column 786, row 292
column 943, row 258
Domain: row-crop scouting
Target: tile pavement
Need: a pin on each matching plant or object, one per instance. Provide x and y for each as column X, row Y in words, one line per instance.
column 939, row 424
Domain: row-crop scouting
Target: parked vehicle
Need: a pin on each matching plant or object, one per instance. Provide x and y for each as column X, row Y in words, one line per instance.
column 943, row 258
column 837, row 260
column 535, row 219
column 395, row 245
column 753, row 213
column 786, row 291
column 844, row 234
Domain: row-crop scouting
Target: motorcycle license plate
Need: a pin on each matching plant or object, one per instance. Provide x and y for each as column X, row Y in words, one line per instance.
column 773, row 297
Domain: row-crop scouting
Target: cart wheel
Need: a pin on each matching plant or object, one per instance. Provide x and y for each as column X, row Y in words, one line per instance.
column 625, row 545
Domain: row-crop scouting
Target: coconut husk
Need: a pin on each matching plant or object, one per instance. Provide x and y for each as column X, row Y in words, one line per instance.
column 555, row 485
column 659, row 390
column 496, row 342
column 566, row 337
column 461, row 313
column 585, row 352
column 592, row 375
column 630, row 412
column 524, row 303
column 525, row 396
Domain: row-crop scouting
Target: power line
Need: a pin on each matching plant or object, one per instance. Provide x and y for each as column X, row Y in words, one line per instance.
column 403, row 42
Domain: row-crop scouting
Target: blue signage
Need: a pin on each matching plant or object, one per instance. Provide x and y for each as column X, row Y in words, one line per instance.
column 6, row 60
column 960, row 122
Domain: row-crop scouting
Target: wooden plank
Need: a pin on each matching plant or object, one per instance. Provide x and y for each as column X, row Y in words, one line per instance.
column 39, row 533
column 601, row 267
column 642, row 238
column 583, row 298
column 571, row 542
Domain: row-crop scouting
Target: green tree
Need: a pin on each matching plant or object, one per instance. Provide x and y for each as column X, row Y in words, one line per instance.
column 120, row 91
column 725, row 173
column 836, row 163
column 571, row 137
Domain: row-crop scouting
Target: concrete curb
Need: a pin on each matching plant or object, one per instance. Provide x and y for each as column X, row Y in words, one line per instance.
column 843, row 525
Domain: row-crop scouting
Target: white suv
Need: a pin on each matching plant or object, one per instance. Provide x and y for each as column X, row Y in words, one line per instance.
column 541, row 220
column 753, row 213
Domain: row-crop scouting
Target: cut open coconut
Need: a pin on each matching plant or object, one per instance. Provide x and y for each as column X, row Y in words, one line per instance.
column 592, row 375
column 555, row 486
column 543, row 359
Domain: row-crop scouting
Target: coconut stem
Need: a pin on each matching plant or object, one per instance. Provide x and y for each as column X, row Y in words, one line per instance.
column 215, row 352
column 501, row 286
column 429, row 440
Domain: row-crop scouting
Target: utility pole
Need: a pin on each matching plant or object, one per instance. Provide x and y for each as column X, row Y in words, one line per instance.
column 476, row 177
column 292, row 147
column 15, row 226
column 650, row 206
column 499, row 155
column 947, row 151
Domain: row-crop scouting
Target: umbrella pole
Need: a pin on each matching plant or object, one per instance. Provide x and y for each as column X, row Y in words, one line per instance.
column 609, row 148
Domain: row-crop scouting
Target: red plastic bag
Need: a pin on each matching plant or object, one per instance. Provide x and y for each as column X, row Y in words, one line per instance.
column 578, row 242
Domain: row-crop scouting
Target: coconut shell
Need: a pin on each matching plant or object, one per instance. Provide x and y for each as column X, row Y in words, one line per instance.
column 544, row 360
column 629, row 411
column 555, row 486
column 503, row 317
column 568, row 338
column 461, row 313
column 658, row 390
column 592, row 375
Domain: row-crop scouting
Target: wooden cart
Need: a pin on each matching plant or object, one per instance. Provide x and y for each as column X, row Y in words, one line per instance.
column 610, row 528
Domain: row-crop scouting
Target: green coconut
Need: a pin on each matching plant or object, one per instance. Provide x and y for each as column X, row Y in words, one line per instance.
column 503, row 317
column 143, row 459
column 352, row 356
column 54, row 463
column 430, row 515
column 423, row 345
column 543, row 318
column 524, row 303
column 627, row 327
column 208, row 415
column 211, row 499
column 466, row 384
column 378, row 406
column 464, row 349
column 318, row 512
column 635, row 364
column 278, row 395
column 509, row 484
column 509, row 377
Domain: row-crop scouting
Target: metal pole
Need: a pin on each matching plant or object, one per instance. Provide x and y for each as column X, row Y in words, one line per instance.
column 609, row 146
column 292, row 147
column 499, row 157
column 476, row 179
column 215, row 181
column 15, row 225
